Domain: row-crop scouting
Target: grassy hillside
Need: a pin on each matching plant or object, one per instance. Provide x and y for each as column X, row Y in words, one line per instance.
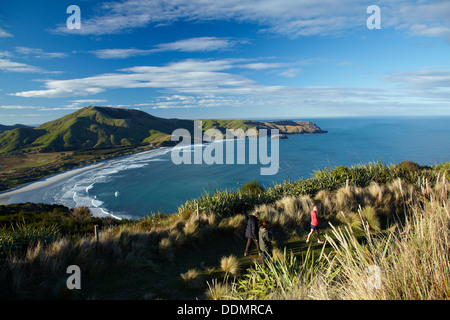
column 394, row 217
column 4, row 128
column 91, row 128
column 19, row 138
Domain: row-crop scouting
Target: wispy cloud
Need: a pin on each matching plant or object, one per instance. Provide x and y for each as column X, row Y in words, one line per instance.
column 291, row 18
column 4, row 34
column 121, row 53
column 8, row 65
column 40, row 53
column 187, row 81
column 200, row 44
column 421, row 18
column 261, row 65
column 12, row 66
column 189, row 75
column 291, row 72
column 421, row 79
column 78, row 104
column 16, row 107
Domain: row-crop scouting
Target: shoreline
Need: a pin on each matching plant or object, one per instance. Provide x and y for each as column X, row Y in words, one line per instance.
column 47, row 181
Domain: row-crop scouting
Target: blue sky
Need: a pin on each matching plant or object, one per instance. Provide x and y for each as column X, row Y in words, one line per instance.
column 224, row 59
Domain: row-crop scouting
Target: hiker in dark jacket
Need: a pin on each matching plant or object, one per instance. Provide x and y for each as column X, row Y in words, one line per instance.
column 251, row 233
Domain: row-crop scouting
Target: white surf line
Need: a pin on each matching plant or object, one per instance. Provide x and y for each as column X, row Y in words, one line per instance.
column 63, row 175
column 50, row 180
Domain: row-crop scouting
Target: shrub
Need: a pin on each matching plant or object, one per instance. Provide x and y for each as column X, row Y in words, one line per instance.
column 443, row 168
column 371, row 217
column 253, row 187
column 82, row 213
column 23, row 236
column 283, row 278
column 408, row 166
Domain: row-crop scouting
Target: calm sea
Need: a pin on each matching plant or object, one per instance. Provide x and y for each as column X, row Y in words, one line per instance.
column 138, row 185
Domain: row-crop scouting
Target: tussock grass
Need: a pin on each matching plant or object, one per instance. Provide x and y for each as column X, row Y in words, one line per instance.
column 219, row 290
column 409, row 262
column 230, row 265
column 192, row 277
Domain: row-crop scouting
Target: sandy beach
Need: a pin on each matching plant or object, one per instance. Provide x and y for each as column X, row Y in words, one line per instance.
column 47, row 181
column 60, row 176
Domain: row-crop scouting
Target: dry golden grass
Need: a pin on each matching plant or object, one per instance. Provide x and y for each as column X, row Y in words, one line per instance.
column 230, row 264
column 219, row 291
column 234, row 222
column 192, row 277
column 409, row 261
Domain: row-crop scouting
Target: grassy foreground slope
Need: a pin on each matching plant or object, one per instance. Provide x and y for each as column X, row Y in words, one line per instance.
column 393, row 217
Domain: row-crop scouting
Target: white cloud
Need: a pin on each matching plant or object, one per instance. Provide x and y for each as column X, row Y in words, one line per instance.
column 421, row 79
column 22, row 115
column 16, row 107
column 261, row 65
column 419, row 18
column 200, row 44
column 291, row 72
column 282, row 16
column 40, row 53
column 6, row 64
column 211, row 83
column 315, row 26
column 120, row 53
column 11, row 66
column 4, row 34
column 290, row 18
column 185, row 75
column 424, row 30
column 188, row 76
column 90, row 101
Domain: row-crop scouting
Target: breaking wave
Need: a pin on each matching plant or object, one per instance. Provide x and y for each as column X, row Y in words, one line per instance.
column 80, row 190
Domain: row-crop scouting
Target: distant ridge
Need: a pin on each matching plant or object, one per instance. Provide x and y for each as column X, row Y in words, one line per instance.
column 4, row 128
column 97, row 127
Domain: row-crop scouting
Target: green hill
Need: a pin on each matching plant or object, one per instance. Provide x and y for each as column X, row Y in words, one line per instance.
column 103, row 127
column 4, row 128
column 92, row 128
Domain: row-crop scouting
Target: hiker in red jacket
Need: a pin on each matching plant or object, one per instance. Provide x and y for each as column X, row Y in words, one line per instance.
column 314, row 225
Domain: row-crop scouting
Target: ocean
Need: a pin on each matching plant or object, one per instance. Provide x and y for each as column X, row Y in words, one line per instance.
column 139, row 185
